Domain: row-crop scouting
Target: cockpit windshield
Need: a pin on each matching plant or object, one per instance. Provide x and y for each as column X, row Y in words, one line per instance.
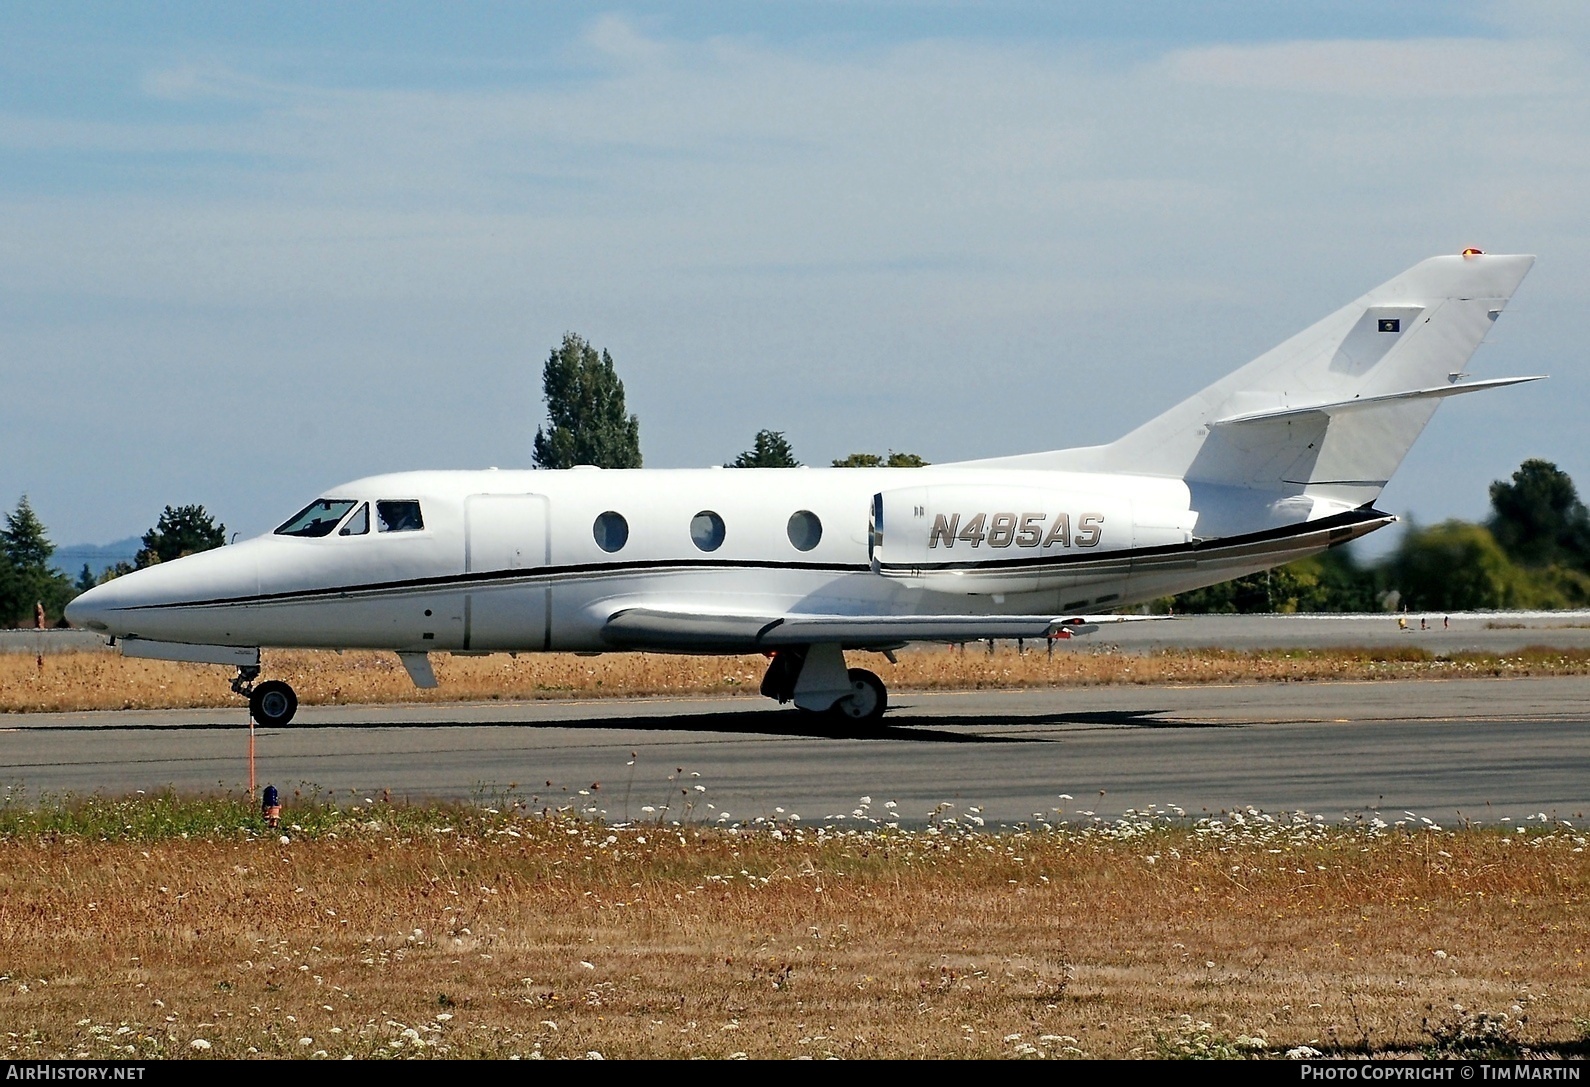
column 318, row 518
column 358, row 524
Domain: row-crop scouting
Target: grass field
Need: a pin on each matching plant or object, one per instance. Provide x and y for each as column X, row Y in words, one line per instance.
column 163, row 926
column 166, row 927
column 88, row 681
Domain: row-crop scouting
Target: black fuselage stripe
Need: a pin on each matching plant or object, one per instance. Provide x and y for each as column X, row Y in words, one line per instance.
column 540, row 574
column 1350, row 519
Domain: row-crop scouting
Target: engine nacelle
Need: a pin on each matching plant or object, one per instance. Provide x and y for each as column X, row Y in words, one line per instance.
column 988, row 540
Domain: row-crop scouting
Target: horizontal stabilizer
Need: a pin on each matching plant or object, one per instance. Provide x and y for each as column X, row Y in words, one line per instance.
column 1360, row 402
column 648, row 628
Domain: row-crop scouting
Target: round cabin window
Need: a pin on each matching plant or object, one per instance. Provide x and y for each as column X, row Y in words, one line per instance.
column 805, row 530
column 706, row 530
column 611, row 531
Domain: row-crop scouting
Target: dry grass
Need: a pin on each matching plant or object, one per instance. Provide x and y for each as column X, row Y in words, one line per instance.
column 386, row 932
column 99, row 680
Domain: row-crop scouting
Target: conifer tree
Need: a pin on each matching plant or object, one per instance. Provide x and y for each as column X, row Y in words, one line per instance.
column 24, row 540
column 587, row 423
column 769, row 450
column 26, row 578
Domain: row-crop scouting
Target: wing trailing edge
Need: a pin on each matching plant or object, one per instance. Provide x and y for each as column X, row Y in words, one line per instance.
column 692, row 631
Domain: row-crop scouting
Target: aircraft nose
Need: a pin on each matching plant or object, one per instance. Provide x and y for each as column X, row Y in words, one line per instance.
column 152, row 602
column 90, row 610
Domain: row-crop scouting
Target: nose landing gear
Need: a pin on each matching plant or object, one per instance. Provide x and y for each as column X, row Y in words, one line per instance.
column 270, row 703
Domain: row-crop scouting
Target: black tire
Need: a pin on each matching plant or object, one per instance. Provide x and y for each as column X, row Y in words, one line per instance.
column 272, row 703
column 867, row 700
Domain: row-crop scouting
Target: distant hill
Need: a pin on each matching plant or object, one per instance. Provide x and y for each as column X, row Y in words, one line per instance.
column 69, row 560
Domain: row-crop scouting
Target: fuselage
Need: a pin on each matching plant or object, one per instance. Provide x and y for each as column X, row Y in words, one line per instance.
column 1278, row 460
column 482, row 561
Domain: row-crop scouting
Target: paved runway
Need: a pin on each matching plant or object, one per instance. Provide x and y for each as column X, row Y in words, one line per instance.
column 1478, row 749
column 1486, row 632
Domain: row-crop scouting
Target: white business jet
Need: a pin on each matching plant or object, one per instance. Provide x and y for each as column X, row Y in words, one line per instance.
column 1280, row 460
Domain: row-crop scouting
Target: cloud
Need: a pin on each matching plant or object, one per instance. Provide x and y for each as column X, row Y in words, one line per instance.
column 207, row 82
column 952, row 247
column 618, row 39
column 1443, row 68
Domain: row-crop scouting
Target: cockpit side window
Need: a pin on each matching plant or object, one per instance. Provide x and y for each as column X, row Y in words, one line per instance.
column 358, row 524
column 399, row 516
column 318, row 518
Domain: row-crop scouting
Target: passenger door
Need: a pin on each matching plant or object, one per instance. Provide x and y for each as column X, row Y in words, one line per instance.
column 505, row 542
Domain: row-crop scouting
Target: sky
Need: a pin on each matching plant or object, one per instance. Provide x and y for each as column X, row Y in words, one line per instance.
column 248, row 252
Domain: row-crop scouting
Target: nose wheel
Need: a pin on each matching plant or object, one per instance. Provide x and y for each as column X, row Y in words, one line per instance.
column 270, row 703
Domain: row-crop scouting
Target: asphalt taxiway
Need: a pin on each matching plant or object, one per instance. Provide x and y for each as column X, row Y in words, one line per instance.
column 1480, row 749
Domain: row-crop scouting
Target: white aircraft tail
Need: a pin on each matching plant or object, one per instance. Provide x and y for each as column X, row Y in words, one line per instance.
column 1333, row 410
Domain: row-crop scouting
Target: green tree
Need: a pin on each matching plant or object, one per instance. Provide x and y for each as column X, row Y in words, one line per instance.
column 180, row 531
column 85, row 580
column 1345, row 584
column 1453, row 566
column 24, row 540
column 769, row 450
column 1551, row 587
column 587, row 423
column 11, row 591
column 26, row 578
column 111, row 573
column 873, row 460
column 1328, row 582
column 1538, row 518
column 1266, row 591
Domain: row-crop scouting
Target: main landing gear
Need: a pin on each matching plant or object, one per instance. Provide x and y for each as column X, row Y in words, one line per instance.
column 270, row 703
column 816, row 680
column 867, row 700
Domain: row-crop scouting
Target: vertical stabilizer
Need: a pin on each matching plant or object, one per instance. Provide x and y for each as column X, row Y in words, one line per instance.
column 1333, row 410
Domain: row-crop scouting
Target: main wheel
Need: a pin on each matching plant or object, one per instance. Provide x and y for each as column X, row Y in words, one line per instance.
column 272, row 703
column 867, row 700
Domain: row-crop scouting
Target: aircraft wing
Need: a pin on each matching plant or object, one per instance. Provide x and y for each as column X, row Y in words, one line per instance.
column 700, row 631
